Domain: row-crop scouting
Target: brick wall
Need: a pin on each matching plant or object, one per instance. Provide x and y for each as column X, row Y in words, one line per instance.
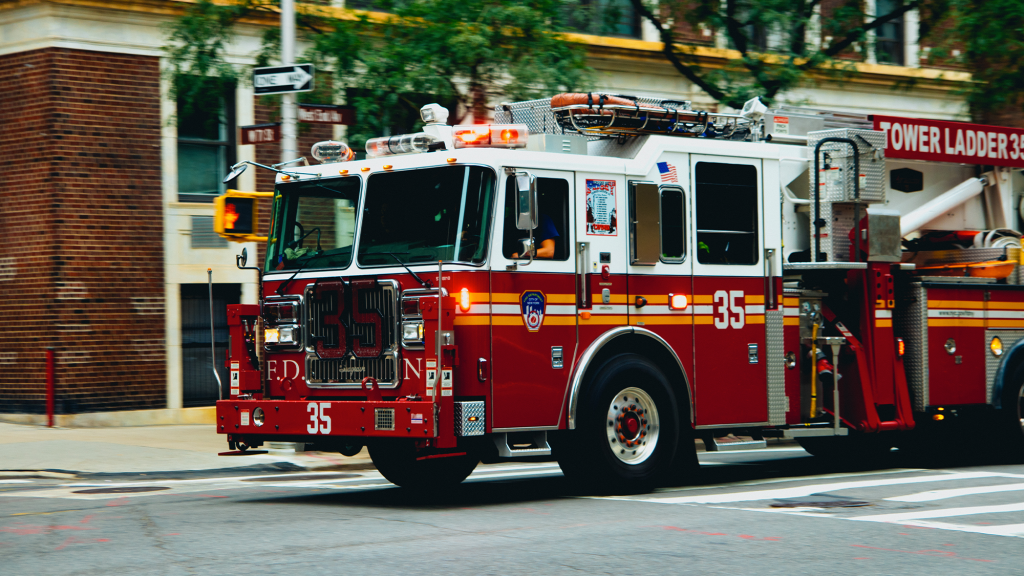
column 81, row 213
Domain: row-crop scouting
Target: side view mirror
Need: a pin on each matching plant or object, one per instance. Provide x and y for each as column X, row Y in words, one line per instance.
column 526, row 200
column 242, row 258
column 526, row 248
column 236, row 170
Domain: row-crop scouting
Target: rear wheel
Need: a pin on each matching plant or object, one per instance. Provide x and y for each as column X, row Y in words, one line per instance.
column 404, row 466
column 627, row 428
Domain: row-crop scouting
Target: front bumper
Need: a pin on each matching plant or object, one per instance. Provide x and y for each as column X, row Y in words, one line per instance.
column 287, row 419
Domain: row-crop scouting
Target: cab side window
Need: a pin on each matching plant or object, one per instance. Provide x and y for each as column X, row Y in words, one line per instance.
column 726, row 213
column 553, row 218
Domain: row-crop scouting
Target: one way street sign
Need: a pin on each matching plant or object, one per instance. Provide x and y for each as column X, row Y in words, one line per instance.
column 282, row 79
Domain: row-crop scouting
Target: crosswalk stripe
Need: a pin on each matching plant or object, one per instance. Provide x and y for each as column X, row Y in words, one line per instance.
column 933, row 495
column 943, row 513
column 1016, row 530
column 807, row 490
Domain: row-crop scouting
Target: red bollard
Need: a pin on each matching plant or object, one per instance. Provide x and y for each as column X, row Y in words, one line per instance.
column 49, row 387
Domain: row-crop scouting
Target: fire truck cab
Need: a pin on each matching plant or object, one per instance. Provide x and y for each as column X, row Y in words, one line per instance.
column 601, row 280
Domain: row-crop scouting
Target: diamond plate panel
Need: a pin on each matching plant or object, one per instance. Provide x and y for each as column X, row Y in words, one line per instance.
column 1009, row 338
column 464, row 411
column 838, row 178
column 911, row 323
column 775, row 354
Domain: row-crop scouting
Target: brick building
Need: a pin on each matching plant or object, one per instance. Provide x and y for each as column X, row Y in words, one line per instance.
column 106, row 209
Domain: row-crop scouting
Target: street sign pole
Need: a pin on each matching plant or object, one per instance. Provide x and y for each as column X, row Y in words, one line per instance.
column 289, row 146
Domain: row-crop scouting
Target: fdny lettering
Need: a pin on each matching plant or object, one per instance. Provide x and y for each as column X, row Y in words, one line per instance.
column 417, row 370
column 730, row 309
column 532, row 304
column 285, row 371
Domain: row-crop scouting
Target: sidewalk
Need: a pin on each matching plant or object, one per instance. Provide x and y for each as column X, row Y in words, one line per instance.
column 146, row 449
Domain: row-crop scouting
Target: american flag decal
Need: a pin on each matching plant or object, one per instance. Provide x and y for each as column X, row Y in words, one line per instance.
column 668, row 172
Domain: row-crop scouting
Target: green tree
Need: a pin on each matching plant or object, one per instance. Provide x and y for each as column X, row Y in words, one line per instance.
column 983, row 36
column 773, row 37
column 465, row 53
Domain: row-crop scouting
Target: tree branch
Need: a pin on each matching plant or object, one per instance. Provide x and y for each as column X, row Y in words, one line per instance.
column 668, row 48
column 855, row 34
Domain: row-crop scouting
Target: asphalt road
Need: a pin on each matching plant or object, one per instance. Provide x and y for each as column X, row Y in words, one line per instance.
column 775, row 511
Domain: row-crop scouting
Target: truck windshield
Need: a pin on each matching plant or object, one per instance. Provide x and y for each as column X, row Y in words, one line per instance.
column 314, row 224
column 425, row 215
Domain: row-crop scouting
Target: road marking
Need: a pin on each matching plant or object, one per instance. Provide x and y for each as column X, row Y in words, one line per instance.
column 15, row 481
column 933, row 495
column 807, row 490
column 1014, row 530
column 904, row 517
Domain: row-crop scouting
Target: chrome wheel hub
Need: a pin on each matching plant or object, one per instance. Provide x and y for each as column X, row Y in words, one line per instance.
column 632, row 425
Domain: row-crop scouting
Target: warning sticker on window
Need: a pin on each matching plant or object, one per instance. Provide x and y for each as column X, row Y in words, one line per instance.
column 601, row 215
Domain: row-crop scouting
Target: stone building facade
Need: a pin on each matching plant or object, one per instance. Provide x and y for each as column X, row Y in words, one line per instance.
column 105, row 202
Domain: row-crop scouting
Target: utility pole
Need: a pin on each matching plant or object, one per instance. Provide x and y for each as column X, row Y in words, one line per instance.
column 289, row 145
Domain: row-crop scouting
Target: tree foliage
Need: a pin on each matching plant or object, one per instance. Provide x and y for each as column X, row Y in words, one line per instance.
column 778, row 41
column 987, row 38
column 464, row 53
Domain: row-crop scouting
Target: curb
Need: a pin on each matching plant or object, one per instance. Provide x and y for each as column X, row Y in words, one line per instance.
column 164, row 417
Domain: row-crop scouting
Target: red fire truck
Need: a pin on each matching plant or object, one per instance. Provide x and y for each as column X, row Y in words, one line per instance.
column 602, row 279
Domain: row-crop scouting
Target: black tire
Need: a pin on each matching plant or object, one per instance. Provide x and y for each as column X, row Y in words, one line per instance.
column 1010, row 417
column 632, row 451
column 398, row 462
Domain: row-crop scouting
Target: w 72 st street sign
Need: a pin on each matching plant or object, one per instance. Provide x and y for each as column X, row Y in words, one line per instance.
column 282, row 79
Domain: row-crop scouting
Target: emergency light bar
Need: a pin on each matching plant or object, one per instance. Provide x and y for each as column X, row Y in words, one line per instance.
column 401, row 144
column 491, row 136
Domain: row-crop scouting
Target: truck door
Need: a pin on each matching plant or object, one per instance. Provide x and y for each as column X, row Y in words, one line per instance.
column 533, row 307
column 728, row 291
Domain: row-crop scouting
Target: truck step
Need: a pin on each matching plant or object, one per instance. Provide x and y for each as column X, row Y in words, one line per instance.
column 711, row 445
column 538, row 447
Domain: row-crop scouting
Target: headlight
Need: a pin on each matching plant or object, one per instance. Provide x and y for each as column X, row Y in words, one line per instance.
column 996, row 346
column 258, row 417
column 272, row 335
column 288, row 334
column 281, row 312
column 412, row 332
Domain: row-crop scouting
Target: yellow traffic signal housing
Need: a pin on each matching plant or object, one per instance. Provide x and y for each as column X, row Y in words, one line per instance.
column 236, row 215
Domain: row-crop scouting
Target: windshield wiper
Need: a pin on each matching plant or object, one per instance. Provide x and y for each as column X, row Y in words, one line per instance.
column 422, row 282
column 284, row 285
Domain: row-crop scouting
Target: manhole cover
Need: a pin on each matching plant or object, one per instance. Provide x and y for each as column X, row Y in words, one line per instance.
column 818, row 501
column 121, row 490
column 302, row 477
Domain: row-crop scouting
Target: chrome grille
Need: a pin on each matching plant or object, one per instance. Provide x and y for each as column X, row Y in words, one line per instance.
column 349, row 371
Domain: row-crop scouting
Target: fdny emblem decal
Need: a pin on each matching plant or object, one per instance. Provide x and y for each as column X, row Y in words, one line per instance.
column 533, row 309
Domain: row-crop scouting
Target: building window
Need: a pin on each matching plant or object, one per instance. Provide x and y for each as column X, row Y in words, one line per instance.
column 206, row 148
column 889, row 36
column 606, row 18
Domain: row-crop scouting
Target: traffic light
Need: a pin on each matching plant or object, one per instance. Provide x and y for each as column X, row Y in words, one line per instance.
column 236, row 215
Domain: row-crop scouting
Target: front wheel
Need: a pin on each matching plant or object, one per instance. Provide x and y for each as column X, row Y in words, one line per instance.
column 1011, row 417
column 404, row 466
column 627, row 428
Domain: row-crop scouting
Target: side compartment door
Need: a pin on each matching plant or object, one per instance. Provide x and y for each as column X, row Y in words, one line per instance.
column 533, row 307
column 728, row 291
